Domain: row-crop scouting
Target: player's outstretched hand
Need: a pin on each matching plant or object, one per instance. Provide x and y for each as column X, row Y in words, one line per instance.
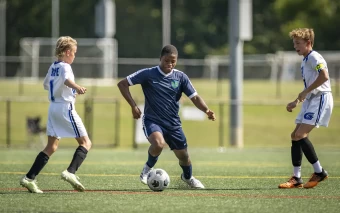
column 81, row 90
column 136, row 113
column 290, row 106
column 211, row 115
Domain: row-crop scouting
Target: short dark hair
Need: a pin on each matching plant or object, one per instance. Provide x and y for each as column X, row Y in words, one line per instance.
column 168, row 50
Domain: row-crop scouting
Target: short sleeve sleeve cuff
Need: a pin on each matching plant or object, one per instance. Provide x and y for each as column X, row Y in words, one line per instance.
column 193, row 95
column 129, row 80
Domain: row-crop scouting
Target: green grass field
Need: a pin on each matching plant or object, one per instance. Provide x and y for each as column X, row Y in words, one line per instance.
column 266, row 122
column 236, row 181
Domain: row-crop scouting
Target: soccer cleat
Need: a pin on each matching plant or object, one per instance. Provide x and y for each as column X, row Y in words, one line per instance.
column 293, row 182
column 144, row 174
column 31, row 185
column 193, row 182
column 73, row 180
column 315, row 179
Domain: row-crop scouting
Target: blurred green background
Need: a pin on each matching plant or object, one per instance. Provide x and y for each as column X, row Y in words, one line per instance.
column 266, row 122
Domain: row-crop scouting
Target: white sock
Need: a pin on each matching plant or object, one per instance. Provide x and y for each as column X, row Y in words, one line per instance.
column 317, row 167
column 297, row 171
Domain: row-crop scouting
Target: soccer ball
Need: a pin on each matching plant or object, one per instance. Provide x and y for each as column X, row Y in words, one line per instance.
column 158, row 180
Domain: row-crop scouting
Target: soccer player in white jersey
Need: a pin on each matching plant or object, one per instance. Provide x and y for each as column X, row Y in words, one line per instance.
column 63, row 120
column 316, row 109
column 163, row 87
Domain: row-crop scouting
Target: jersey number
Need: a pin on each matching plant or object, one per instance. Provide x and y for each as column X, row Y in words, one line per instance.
column 51, row 90
column 55, row 72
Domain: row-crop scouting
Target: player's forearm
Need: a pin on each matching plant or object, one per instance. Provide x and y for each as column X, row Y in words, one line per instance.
column 71, row 84
column 46, row 83
column 125, row 91
column 199, row 103
column 322, row 78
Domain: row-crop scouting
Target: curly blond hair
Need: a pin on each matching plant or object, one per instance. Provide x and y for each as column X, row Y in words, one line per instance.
column 303, row 33
column 64, row 43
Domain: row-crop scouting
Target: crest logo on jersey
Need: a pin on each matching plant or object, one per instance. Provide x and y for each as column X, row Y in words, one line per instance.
column 174, row 84
column 308, row 115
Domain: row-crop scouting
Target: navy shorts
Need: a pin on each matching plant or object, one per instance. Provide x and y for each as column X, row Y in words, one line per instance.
column 174, row 138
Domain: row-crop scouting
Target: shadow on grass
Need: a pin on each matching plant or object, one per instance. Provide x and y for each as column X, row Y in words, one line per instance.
column 11, row 191
column 227, row 189
column 24, row 191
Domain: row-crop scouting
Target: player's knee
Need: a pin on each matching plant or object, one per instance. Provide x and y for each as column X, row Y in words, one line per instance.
column 299, row 135
column 85, row 142
column 158, row 144
column 50, row 149
column 292, row 136
column 54, row 147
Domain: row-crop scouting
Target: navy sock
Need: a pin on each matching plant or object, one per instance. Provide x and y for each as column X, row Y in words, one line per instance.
column 308, row 150
column 78, row 158
column 296, row 153
column 39, row 163
column 187, row 171
column 152, row 160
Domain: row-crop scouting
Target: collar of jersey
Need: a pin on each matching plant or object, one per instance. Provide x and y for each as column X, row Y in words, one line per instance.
column 57, row 62
column 159, row 70
column 306, row 58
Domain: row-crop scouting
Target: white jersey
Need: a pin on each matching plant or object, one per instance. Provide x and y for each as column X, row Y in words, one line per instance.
column 63, row 120
column 311, row 66
column 317, row 108
column 58, row 72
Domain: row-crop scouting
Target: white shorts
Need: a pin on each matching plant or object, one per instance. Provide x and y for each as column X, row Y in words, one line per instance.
column 64, row 122
column 316, row 110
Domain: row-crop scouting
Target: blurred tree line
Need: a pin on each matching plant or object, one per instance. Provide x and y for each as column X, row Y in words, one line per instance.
column 198, row 27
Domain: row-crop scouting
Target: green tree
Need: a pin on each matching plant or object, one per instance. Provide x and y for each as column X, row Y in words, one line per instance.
column 321, row 15
column 26, row 19
column 34, row 19
column 198, row 28
column 139, row 28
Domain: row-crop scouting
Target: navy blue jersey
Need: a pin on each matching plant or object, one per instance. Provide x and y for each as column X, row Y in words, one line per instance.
column 162, row 94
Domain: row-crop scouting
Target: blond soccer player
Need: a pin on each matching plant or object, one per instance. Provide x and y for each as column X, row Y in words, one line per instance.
column 316, row 109
column 63, row 120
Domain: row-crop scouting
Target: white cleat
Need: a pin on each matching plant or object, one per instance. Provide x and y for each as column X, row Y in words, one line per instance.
column 73, row 180
column 144, row 174
column 193, row 182
column 30, row 184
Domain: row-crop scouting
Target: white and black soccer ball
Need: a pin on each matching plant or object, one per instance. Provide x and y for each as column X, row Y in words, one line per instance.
column 158, row 180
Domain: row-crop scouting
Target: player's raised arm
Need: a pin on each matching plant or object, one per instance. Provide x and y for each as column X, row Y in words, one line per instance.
column 123, row 86
column 200, row 104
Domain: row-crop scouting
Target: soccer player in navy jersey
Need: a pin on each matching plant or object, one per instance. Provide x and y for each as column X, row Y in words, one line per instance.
column 163, row 86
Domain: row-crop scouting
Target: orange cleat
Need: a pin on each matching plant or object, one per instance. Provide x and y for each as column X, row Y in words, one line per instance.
column 293, row 182
column 315, row 179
